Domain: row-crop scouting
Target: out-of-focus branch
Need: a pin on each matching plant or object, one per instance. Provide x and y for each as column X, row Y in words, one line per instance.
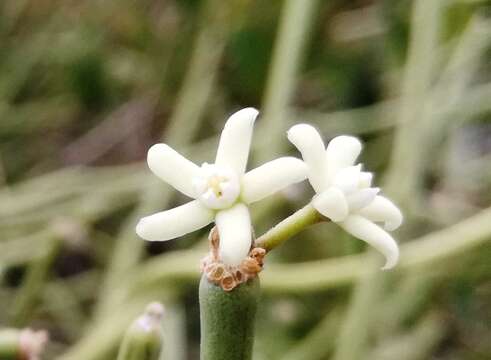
column 418, row 76
column 295, row 24
column 353, row 335
column 319, row 341
column 417, row 344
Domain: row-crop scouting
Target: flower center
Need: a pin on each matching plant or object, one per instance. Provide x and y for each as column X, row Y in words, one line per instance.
column 217, row 187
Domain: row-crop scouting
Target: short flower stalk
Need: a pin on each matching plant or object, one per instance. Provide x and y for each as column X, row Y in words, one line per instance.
column 222, row 193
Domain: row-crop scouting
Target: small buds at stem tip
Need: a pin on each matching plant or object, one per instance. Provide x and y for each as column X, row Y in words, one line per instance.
column 227, row 276
column 26, row 344
column 143, row 339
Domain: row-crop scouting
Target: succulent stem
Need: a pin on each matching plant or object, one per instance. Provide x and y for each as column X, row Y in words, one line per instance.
column 227, row 320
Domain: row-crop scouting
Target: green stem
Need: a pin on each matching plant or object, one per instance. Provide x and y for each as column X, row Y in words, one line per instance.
column 227, row 320
column 289, row 227
column 295, row 23
column 403, row 179
column 352, row 338
column 37, row 274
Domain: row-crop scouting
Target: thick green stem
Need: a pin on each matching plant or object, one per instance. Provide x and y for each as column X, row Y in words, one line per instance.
column 227, row 320
column 289, row 227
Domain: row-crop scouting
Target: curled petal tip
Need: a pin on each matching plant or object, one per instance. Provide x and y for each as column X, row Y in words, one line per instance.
column 385, row 211
column 395, row 220
column 159, row 146
column 172, row 167
column 342, row 152
column 247, row 114
column 309, row 142
column 301, row 133
column 375, row 236
column 346, row 142
column 170, row 224
column 141, row 228
column 235, row 140
column 391, row 259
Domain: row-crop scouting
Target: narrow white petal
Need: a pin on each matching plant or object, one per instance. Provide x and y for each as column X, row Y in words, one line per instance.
column 374, row 235
column 361, row 198
column 234, row 228
column 173, row 168
column 309, row 142
column 169, row 224
column 342, row 152
column 383, row 210
column 365, row 179
column 348, row 179
column 332, row 204
column 235, row 141
column 271, row 177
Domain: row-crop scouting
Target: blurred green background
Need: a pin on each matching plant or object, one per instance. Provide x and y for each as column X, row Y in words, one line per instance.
column 87, row 86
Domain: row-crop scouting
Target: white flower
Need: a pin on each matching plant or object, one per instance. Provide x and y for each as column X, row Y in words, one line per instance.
column 221, row 190
column 343, row 191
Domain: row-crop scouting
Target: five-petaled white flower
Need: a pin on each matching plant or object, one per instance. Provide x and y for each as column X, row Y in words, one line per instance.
column 221, row 190
column 343, row 191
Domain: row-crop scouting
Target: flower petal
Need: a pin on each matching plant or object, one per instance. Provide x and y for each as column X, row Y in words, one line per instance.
column 382, row 209
column 234, row 228
column 308, row 141
column 271, row 177
column 332, row 204
column 342, row 152
column 365, row 179
column 348, row 179
column 173, row 168
column 235, row 141
column 169, row 224
column 361, row 198
column 374, row 235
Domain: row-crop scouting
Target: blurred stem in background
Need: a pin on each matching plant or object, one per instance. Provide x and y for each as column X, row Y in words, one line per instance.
column 405, row 167
column 415, row 136
column 37, row 275
column 295, row 23
column 406, row 162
